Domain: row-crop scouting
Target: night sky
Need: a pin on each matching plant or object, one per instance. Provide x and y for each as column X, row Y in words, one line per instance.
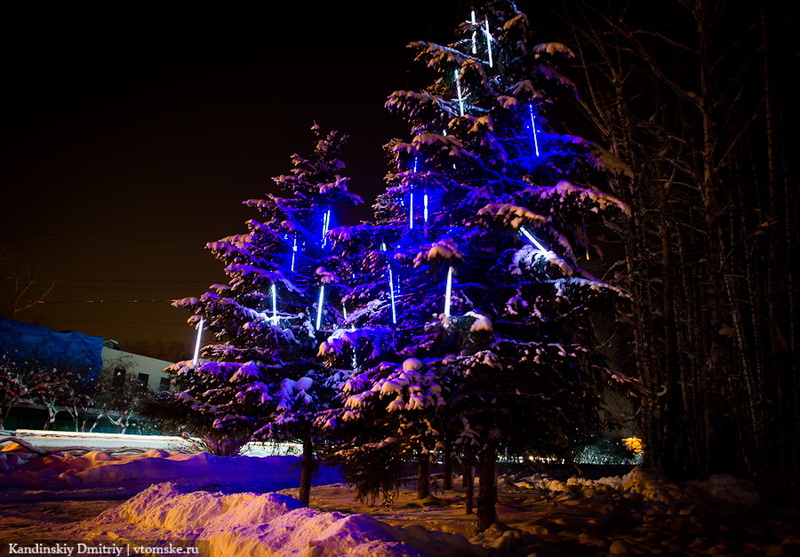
column 131, row 137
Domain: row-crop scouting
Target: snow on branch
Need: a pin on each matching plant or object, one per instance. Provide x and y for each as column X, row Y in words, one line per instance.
column 599, row 157
column 586, row 284
column 549, row 73
column 291, row 391
column 526, row 258
column 441, row 251
column 554, row 48
column 447, row 143
column 249, row 274
column 438, row 55
column 604, row 159
column 482, row 323
column 520, row 20
column 231, row 246
column 189, row 302
column 323, row 276
column 526, row 86
column 564, row 191
column 416, row 105
column 474, row 67
column 510, row 215
column 248, row 371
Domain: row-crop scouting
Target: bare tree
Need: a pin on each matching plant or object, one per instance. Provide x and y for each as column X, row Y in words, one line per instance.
column 119, row 396
column 690, row 101
column 34, row 382
column 21, row 286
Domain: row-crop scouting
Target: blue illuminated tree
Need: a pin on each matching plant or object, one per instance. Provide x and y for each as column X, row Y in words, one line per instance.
column 471, row 322
column 260, row 376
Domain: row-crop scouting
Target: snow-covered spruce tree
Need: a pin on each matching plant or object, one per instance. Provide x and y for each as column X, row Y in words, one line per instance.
column 482, row 230
column 260, row 377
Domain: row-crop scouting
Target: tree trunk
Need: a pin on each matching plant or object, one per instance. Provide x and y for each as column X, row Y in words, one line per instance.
column 52, row 412
column 487, row 488
column 447, row 472
column 468, row 480
column 423, row 476
column 673, row 457
column 97, row 419
column 306, row 471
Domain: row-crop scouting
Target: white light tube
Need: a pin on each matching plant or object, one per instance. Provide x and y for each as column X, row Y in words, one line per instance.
column 197, row 343
column 448, row 292
column 319, row 306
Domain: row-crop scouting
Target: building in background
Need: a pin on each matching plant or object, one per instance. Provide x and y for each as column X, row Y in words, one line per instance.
column 108, row 379
column 148, row 371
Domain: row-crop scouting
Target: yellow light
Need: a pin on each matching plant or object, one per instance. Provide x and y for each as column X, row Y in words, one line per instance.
column 633, row 444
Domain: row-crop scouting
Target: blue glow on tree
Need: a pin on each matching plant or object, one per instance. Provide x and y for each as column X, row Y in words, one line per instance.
column 259, row 375
column 510, row 364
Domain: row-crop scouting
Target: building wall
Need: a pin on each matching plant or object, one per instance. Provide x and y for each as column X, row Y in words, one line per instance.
column 138, row 365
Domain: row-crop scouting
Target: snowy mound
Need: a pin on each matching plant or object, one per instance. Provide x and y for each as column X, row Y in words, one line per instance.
column 26, row 470
column 650, row 486
column 248, row 524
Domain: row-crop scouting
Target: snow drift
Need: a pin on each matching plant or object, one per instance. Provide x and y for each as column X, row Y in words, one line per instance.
column 254, row 525
column 84, row 469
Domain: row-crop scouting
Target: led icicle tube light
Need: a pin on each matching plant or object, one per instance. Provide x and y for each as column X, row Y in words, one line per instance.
column 533, row 240
column 319, row 306
column 425, row 207
column 448, row 292
column 474, row 41
column 294, row 252
column 326, row 223
column 197, row 343
column 489, row 42
column 391, row 296
column 460, row 96
column 411, row 211
column 533, row 129
column 391, row 286
column 274, row 292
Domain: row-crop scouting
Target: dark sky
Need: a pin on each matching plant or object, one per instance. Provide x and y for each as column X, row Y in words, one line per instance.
column 131, row 135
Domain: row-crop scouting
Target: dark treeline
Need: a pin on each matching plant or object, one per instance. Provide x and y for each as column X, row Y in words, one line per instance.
column 690, row 93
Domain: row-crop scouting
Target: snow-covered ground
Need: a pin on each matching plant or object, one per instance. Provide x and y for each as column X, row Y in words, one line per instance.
column 245, row 506
column 225, row 506
column 46, row 439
